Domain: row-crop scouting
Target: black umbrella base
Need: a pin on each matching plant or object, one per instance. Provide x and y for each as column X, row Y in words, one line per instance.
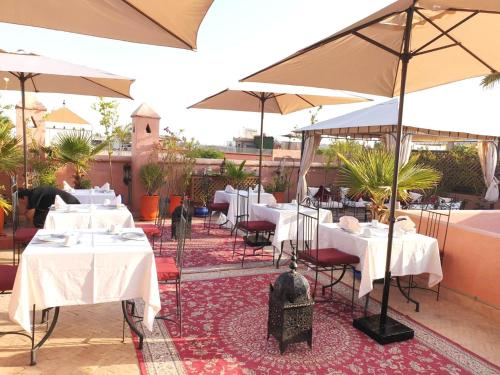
column 257, row 241
column 393, row 332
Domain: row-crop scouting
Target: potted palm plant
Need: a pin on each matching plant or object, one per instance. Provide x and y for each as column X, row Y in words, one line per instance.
column 75, row 148
column 370, row 173
column 10, row 159
column 236, row 174
column 152, row 176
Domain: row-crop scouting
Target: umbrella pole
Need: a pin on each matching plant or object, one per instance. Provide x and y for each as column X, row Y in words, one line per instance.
column 22, row 80
column 382, row 328
column 262, row 103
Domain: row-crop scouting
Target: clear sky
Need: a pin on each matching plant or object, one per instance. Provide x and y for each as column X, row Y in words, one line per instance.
column 236, row 38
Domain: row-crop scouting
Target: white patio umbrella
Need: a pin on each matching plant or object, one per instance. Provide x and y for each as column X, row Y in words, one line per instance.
column 407, row 46
column 271, row 99
column 172, row 23
column 34, row 73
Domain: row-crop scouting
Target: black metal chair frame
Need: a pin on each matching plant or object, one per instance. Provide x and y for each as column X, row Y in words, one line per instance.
column 308, row 242
column 243, row 215
column 432, row 228
column 48, row 329
column 209, row 218
column 130, row 316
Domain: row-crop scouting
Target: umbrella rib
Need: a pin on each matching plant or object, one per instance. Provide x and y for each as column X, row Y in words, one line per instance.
column 378, row 44
column 456, row 41
column 435, row 49
column 307, row 101
column 106, row 87
column 33, row 82
column 416, row 52
column 158, row 24
column 324, row 42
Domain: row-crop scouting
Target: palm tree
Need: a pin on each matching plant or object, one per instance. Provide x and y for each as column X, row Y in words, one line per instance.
column 123, row 134
column 76, row 149
column 490, row 80
column 370, row 173
column 11, row 155
column 236, row 174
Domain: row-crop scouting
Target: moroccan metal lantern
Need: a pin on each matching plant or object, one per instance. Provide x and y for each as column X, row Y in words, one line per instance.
column 290, row 309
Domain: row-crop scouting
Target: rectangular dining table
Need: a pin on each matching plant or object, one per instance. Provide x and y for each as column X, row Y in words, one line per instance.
column 222, row 196
column 87, row 216
column 95, row 196
column 284, row 215
column 412, row 253
column 100, row 267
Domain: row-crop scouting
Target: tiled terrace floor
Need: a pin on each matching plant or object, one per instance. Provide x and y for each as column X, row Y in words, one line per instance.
column 87, row 339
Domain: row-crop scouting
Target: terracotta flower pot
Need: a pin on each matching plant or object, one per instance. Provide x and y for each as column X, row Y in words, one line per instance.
column 149, row 207
column 175, row 201
column 279, row 196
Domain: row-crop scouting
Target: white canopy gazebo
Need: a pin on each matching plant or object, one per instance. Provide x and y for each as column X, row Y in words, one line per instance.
column 379, row 122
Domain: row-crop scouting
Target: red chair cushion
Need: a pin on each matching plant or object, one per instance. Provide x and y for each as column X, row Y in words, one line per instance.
column 257, row 226
column 218, row 207
column 166, row 270
column 329, row 257
column 24, row 235
column 7, row 277
column 149, row 229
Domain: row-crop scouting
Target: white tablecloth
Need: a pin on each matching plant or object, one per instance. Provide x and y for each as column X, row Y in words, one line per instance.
column 285, row 219
column 83, row 216
column 412, row 253
column 101, row 268
column 222, row 197
column 87, row 196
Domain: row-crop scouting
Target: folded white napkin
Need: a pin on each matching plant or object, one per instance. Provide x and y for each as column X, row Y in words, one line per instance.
column 415, row 197
column 105, row 187
column 70, row 239
column 229, row 189
column 67, row 187
column 118, row 200
column 256, row 189
column 222, row 219
column 350, row 223
column 59, row 203
column 115, row 228
column 405, row 224
column 343, row 192
column 106, row 202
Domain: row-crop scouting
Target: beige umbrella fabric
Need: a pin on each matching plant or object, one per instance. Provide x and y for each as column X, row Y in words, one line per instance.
column 34, row 73
column 408, row 46
column 365, row 56
column 271, row 99
column 172, row 23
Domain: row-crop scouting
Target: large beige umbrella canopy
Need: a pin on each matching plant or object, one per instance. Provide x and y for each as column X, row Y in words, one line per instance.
column 172, row 23
column 271, row 99
column 408, row 46
column 34, row 73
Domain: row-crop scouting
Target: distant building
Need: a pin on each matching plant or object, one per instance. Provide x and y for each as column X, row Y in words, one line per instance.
column 63, row 120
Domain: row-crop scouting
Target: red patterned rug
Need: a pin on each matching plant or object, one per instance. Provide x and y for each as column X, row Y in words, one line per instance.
column 202, row 250
column 224, row 332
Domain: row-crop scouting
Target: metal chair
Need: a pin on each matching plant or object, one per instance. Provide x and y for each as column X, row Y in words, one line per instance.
column 247, row 226
column 215, row 208
column 7, row 278
column 156, row 230
column 313, row 255
column 169, row 271
column 433, row 224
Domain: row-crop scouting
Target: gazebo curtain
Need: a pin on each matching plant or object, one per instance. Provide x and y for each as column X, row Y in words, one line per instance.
column 487, row 151
column 389, row 141
column 311, row 144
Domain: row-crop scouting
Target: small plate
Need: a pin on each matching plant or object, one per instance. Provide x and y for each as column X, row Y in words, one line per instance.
column 55, row 238
column 132, row 236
